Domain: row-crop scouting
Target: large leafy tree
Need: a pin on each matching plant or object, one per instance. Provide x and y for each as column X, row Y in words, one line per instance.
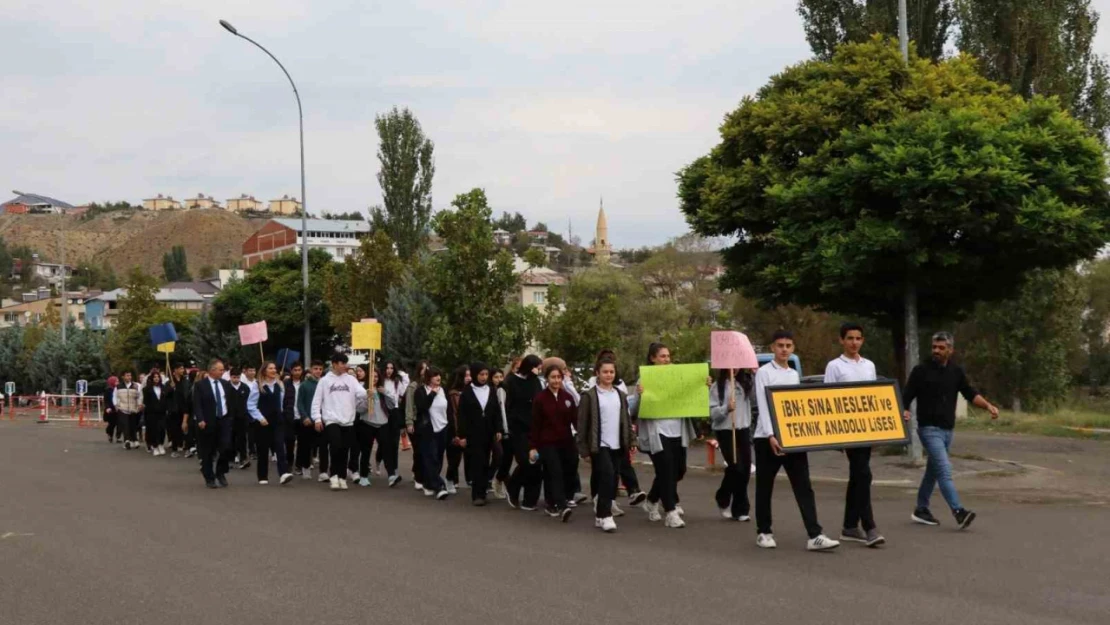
column 406, row 320
column 205, row 340
column 358, row 287
column 175, row 265
column 830, row 23
column 272, row 292
column 872, row 187
column 136, row 307
column 407, row 168
column 479, row 314
column 1096, row 324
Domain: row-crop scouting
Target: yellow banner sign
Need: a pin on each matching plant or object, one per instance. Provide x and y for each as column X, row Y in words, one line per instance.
column 366, row 335
column 835, row 416
column 166, row 348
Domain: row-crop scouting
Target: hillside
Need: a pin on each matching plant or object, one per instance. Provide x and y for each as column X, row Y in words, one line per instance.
column 125, row 239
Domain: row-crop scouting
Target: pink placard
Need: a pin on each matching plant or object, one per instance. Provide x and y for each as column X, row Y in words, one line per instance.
column 732, row 350
column 253, row 333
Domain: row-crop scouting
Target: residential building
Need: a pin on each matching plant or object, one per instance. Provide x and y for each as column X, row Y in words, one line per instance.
column 534, row 283
column 161, row 203
column 285, row 206
column 200, row 202
column 224, row 276
column 34, row 203
column 338, row 237
column 49, row 272
column 244, row 203
column 101, row 311
column 33, row 310
column 502, row 237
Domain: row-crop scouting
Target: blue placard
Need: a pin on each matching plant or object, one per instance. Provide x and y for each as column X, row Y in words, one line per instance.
column 162, row 333
column 286, row 357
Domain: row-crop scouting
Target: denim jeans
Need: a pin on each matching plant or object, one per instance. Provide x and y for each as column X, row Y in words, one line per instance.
column 939, row 469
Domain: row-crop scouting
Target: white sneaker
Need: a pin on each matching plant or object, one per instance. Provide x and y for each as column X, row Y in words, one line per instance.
column 674, row 519
column 263, row 482
column 161, row 450
column 342, row 484
column 579, row 498
column 606, row 525
column 679, row 510
column 821, row 543
column 726, row 513
column 286, row 478
column 334, row 482
column 451, row 488
column 306, row 474
column 616, row 509
column 499, row 489
column 352, row 476
column 743, row 518
column 418, row 486
column 765, row 541
column 394, row 480
column 441, row 495
column 364, row 481
column 324, row 477
column 652, row 510
column 427, row 493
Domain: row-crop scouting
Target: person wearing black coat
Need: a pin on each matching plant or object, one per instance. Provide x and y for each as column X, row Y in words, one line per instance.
column 521, row 388
column 479, row 428
column 214, row 410
column 157, row 400
column 243, row 422
column 179, row 409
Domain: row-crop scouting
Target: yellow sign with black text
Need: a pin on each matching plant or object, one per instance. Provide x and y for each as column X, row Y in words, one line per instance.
column 835, row 416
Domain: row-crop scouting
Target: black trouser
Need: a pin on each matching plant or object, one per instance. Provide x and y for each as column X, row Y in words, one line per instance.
column 392, row 448
column 526, row 475
column 114, row 431
column 560, row 464
column 131, row 426
column 454, row 458
column 306, row 440
column 174, row 432
column 290, row 440
column 478, row 467
column 340, row 440
column 251, row 438
column 417, row 458
column 323, row 450
column 857, row 501
column 155, row 430
column 432, row 446
column 506, row 463
column 365, row 437
column 191, row 435
column 271, row 438
column 497, row 452
column 767, row 466
column 603, row 479
column 670, row 468
column 214, row 448
column 239, row 427
column 733, row 492
column 625, row 471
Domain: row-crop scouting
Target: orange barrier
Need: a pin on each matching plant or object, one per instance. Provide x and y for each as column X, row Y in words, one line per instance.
column 711, row 447
column 405, row 444
column 42, row 411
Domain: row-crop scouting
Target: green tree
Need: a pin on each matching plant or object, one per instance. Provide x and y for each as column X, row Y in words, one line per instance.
column 1096, row 324
column 478, row 310
column 535, row 257
column 272, row 292
column 875, row 188
column 136, row 307
column 511, row 223
column 405, row 176
column 405, row 320
column 207, row 271
column 11, row 349
column 205, row 340
column 359, row 286
column 831, row 23
column 175, row 266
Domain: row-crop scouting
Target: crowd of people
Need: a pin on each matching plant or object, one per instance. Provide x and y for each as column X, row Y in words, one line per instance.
column 520, row 433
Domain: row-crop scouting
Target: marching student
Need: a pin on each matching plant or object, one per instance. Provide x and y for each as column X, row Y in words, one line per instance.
column 189, row 423
column 334, row 405
column 214, row 410
column 128, row 400
column 241, row 392
column 265, row 405
column 604, row 437
column 292, row 384
column 666, row 440
column 434, row 428
column 460, row 381
column 372, row 427
column 729, row 409
column 551, row 442
column 157, row 399
column 574, row 488
column 250, row 378
column 114, row 429
column 395, row 383
column 361, row 436
column 934, row 385
column 179, row 408
column 480, row 426
column 409, row 410
column 626, row 473
column 851, row 367
column 521, row 389
column 769, row 456
column 497, row 451
column 308, row 439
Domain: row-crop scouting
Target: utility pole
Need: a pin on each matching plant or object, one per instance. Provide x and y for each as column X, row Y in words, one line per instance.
column 65, row 298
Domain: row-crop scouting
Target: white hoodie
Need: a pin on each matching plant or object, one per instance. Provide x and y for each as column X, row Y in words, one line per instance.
column 337, row 399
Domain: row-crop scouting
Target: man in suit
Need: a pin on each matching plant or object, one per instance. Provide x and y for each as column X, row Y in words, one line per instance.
column 215, row 409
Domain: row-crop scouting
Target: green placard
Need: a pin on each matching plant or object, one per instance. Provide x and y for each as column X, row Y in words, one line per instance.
column 674, row 391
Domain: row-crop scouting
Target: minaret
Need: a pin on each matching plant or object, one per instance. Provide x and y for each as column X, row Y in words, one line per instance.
column 602, row 248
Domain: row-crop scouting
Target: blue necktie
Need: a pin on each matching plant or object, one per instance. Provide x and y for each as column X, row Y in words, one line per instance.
column 219, row 402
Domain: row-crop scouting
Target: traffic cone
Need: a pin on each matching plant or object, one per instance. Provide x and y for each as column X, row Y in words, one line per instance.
column 405, row 444
column 42, row 411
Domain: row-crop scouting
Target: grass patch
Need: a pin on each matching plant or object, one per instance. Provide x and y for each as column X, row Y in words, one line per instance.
column 1074, row 421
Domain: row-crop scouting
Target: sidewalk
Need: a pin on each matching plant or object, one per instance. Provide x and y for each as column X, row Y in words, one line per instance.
column 1017, row 468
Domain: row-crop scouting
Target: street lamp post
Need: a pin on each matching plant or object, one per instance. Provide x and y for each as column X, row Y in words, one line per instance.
column 304, row 202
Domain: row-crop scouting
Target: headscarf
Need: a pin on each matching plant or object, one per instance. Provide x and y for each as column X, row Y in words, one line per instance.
column 475, row 369
column 113, row 381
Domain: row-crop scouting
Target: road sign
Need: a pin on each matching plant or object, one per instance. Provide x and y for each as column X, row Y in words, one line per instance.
column 82, row 387
column 9, row 388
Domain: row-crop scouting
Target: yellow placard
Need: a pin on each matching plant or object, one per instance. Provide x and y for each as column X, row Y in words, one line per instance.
column 166, row 348
column 835, row 416
column 366, row 335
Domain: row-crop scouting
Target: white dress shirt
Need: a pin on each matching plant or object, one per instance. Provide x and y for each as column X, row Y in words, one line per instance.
column 844, row 369
column 609, row 413
column 770, row 374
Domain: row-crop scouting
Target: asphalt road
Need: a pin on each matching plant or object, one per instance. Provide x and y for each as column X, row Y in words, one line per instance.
column 92, row 534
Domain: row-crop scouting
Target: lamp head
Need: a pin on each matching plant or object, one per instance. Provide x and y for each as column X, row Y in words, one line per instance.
column 227, row 25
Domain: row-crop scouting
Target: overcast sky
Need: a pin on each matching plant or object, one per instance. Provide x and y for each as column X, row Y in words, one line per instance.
column 548, row 106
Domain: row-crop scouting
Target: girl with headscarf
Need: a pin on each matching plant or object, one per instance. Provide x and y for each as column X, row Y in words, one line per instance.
column 480, row 428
